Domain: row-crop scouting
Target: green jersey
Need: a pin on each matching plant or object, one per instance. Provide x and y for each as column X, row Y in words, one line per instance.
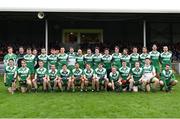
column 62, row 59
column 116, row 60
column 114, row 76
column 143, row 56
column 77, row 73
column 89, row 73
column 30, row 61
column 154, row 57
column 126, row 58
column 166, row 59
column 148, row 69
column 23, row 73
column 124, row 72
column 10, row 72
column 88, row 59
column 44, row 58
column 52, row 59
column 97, row 59
column 134, row 58
column 65, row 74
column 80, row 61
column 7, row 57
column 101, row 73
column 52, row 74
column 41, row 72
column 71, row 59
column 137, row 73
column 167, row 75
column 107, row 61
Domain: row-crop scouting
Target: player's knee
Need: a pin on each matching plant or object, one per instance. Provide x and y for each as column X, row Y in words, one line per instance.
column 161, row 83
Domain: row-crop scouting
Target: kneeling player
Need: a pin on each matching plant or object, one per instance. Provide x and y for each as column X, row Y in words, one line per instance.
column 136, row 76
column 65, row 78
column 113, row 78
column 149, row 76
column 167, row 79
column 53, row 80
column 89, row 77
column 125, row 80
column 101, row 77
column 24, row 76
column 77, row 77
column 40, row 77
column 10, row 76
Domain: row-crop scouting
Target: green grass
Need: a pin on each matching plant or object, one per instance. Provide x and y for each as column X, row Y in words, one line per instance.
column 110, row 104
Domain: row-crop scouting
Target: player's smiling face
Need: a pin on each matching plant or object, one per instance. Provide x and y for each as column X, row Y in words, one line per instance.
column 97, row 51
column 43, row 51
column 134, row 50
column 41, row 64
column 144, row 50
column 11, row 63
column 154, row 47
column 88, row 51
column 137, row 64
column 62, row 50
column 10, row 50
column 53, row 67
column 29, row 52
column 165, row 49
column 23, row 63
column 116, row 50
column 79, row 52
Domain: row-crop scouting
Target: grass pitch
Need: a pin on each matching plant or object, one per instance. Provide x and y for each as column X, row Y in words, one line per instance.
column 90, row 104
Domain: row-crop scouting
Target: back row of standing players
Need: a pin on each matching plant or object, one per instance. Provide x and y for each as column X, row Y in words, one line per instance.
column 115, row 60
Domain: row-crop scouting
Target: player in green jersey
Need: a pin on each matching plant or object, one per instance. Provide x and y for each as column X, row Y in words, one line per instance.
column 80, row 59
column 43, row 57
column 53, row 78
column 71, row 58
column 136, row 76
column 113, row 78
column 101, row 77
column 20, row 56
column 106, row 59
column 116, row 58
column 167, row 79
column 65, row 77
column 165, row 57
column 23, row 74
column 89, row 77
column 30, row 61
column 125, row 80
column 143, row 56
column 52, row 58
column 134, row 57
column 77, row 77
column 35, row 53
column 40, row 78
column 8, row 56
column 97, row 56
column 88, row 58
column 149, row 76
column 125, row 57
column 62, row 58
column 10, row 76
column 155, row 59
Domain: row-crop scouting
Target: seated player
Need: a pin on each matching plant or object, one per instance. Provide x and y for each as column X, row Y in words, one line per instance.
column 24, row 76
column 53, row 79
column 10, row 76
column 149, row 76
column 167, row 79
column 77, row 77
column 125, row 80
column 40, row 77
column 89, row 77
column 113, row 78
column 136, row 76
column 101, row 77
column 65, row 78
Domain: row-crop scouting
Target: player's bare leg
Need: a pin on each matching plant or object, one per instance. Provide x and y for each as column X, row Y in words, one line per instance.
column 131, row 82
column 93, row 84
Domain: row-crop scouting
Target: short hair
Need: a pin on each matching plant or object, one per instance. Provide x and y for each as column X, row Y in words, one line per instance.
column 10, row 60
column 97, row 48
column 9, row 47
column 116, row 47
column 28, row 49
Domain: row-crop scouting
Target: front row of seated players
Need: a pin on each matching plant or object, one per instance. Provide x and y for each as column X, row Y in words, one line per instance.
column 122, row 79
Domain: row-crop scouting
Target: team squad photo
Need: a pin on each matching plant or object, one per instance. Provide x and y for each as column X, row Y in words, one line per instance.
column 68, row 70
